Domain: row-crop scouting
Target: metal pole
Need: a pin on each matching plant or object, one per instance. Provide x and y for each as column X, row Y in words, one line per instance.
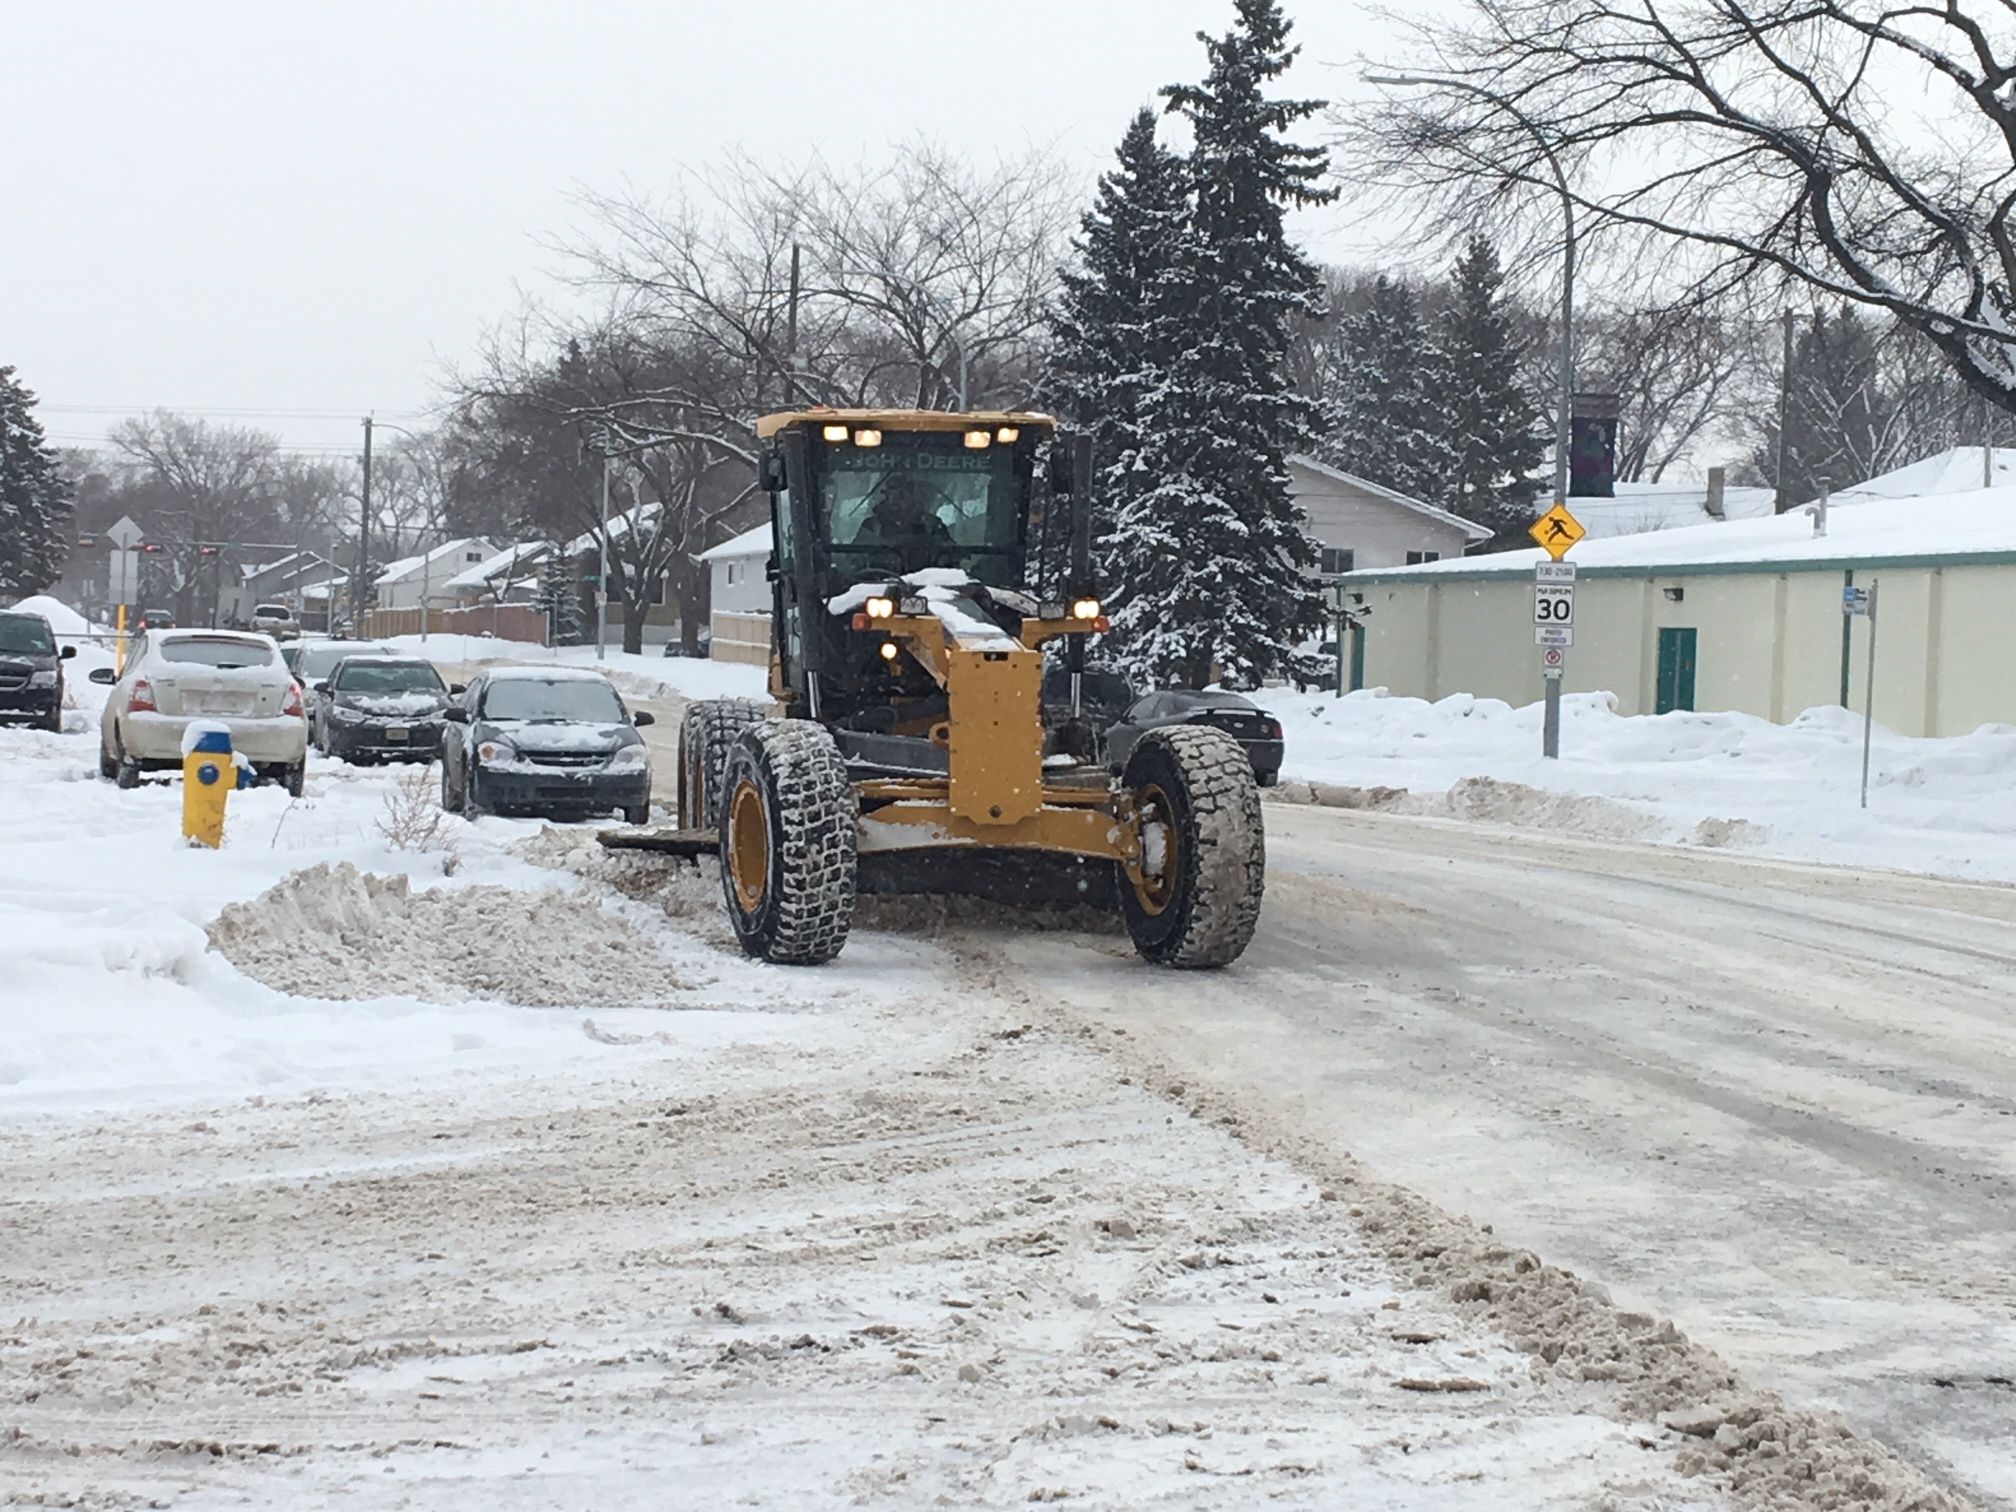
column 1342, row 620
column 602, row 573
column 1783, row 501
column 363, row 541
column 1550, row 721
column 426, row 580
column 962, row 369
column 1869, row 696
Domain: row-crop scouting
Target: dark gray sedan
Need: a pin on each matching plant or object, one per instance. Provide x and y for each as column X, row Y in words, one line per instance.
column 373, row 708
column 555, row 741
column 1245, row 721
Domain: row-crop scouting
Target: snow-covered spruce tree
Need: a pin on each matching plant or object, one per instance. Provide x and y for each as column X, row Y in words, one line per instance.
column 559, row 598
column 34, row 497
column 1495, row 444
column 1101, row 357
column 1387, row 376
column 1210, row 553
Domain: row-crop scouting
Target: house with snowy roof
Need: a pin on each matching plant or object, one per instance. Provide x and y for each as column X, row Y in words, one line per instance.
column 1357, row 523
column 423, row 579
column 1744, row 615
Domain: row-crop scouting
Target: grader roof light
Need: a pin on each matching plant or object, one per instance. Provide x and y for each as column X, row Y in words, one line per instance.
column 1008, row 435
column 835, row 433
column 977, row 440
column 867, row 437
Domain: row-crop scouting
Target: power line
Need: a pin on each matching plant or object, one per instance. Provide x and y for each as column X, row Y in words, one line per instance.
column 249, row 411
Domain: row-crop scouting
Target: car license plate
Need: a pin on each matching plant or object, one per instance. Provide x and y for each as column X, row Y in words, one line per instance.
column 396, row 732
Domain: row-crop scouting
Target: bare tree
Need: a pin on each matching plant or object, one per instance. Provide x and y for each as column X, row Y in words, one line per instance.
column 1759, row 142
column 1684, row 375
column 216, row 489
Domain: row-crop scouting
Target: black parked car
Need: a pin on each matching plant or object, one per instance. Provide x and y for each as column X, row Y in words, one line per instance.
column 545, row 740
column 31, row 670
column 1252, row 726
column 382, row 707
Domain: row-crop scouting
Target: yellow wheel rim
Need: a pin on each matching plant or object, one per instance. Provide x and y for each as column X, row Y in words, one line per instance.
column 749, row 845
column 1155, row 878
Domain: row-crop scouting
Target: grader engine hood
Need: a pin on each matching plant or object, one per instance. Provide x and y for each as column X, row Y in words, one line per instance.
column 993, row 684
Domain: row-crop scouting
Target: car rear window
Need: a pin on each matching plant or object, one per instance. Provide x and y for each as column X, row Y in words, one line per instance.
column 573, row 698
column 317, row 661
column 216, row 653
column 388, row 677
column 25, row 636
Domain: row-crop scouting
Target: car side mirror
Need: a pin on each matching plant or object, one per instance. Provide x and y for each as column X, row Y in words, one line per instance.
column 1063, row 476
column 321, row 687
column 103, row 675
column 456, row 690
column 455, row 716
column 67, row 652
column 770, row 472
column 642, row 718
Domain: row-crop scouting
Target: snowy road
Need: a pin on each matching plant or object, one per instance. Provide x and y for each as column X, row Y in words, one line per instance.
column 1775, row 1103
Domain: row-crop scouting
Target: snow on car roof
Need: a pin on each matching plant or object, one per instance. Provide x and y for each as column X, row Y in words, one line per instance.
column 546, row 674
column 196, row 633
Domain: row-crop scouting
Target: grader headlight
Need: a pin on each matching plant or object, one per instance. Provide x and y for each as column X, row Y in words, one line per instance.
column 880, row 608
column 888, row 650
column 1085, row 609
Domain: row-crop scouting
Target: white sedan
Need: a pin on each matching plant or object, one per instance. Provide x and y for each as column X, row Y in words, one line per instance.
column 219, row 676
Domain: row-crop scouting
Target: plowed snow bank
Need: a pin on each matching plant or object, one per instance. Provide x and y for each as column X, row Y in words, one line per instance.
column 336, row 932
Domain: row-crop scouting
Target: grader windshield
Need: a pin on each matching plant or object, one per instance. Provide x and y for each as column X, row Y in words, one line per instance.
column 924, row 499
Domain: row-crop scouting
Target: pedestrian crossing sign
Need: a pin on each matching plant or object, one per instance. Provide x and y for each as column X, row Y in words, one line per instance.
column 1557, row 530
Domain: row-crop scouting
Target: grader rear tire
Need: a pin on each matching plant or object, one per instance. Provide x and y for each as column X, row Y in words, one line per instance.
column 1195, row 900
column 787, row 826
column 707, row 734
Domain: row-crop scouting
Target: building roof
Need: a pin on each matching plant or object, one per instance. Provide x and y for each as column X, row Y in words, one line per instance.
column 1974, row 526
column 753, row 542
column 507, row 561
column 1639, row 508
column 1469, row 528
column 308, row 561
column 406, row 567
column 1955, row 470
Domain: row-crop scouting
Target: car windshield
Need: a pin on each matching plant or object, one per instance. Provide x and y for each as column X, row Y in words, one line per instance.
column 1186, row 700
column 580, row 699
column 318, row 661
column 924, row 500
column 216, row 652
column 26, row 637
column 272, row 611
column 387, row 677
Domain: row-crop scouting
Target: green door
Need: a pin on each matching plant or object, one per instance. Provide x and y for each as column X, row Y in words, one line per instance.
column 1357, row 657
column 1676, row 670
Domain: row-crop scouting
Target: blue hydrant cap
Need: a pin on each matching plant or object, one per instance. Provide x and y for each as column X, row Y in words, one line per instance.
column 213, row 743
column 207, row 774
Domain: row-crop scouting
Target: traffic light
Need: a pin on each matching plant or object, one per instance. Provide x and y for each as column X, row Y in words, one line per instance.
column 208, row 551
column 152, row 548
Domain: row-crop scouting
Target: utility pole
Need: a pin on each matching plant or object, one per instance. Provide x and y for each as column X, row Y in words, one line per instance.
column 602, row 572
column 357, row 584
column 1783, row 501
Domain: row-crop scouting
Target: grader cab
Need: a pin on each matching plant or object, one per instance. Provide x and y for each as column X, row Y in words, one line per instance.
column 908, row 747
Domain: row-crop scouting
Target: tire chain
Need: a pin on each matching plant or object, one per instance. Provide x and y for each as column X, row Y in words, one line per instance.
column 815, row 853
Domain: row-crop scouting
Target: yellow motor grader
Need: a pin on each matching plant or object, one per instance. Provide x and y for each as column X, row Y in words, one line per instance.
column 909, row 746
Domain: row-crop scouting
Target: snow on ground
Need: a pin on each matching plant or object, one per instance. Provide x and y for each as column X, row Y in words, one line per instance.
column 306, row 1205
column 1945, row 806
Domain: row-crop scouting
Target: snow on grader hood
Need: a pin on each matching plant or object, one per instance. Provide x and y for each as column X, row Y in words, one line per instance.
column 908, row 748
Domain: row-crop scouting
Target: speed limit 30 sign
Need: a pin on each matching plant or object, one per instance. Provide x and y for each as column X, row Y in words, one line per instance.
column 1554, row 603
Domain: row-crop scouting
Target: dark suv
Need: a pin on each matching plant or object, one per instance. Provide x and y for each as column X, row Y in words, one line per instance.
column 31, row 670
column 545, row 740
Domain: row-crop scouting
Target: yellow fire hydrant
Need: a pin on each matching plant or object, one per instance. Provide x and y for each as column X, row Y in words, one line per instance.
column 209, row 772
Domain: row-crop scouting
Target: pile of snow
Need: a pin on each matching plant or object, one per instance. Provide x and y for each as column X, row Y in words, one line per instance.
column 62, row 618
column 1946, row 806
column 337, row 933
column 645, row 675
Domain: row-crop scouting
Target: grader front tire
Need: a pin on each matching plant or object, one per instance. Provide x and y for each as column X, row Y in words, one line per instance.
column 787, row 820
column 1194, row 902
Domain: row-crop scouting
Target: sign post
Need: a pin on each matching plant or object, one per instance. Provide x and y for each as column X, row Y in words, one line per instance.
column 1557, row 531
column 1862, row 601
column 123, row 578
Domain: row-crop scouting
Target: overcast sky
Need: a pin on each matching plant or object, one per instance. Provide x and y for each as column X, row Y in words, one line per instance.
column 311, row 206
